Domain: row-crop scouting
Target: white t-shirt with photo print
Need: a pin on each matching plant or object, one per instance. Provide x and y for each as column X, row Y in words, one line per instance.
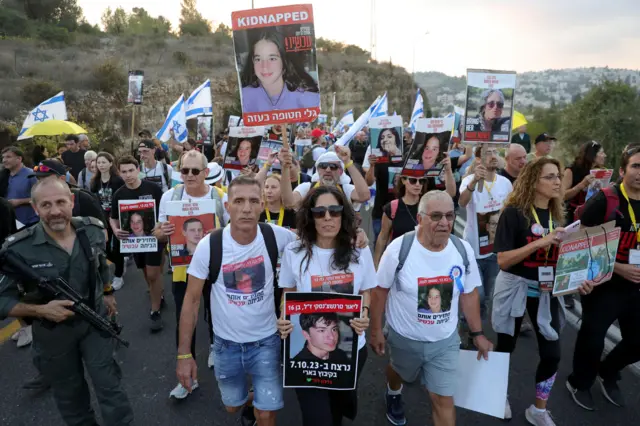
column 242, row 305
column 484, row 204
column 321, row 277
column 423, row 303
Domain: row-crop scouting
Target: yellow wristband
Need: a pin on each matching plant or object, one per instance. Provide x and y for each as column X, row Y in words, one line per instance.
column 185, row 356
column 349, row 164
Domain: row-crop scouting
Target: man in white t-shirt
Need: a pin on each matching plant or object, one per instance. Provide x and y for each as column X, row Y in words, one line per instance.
column 193, row 173
column 242, row 307
column 330, row 168
column 152, row 170
column 483, row 211
column 422, row 302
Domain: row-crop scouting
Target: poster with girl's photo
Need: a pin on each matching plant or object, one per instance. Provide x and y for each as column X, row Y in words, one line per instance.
column 487, row 225
column 489, row 108
column 429, row 147
column 275, row 53
column 193, row 220
column 386, row 138
column 138, row 218
column 205, row 126
column 322, row 350
column 136, row 87
column 243, row 147
column 302, row 145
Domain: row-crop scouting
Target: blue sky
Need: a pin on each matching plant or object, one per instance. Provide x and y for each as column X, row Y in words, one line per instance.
column 519, row 35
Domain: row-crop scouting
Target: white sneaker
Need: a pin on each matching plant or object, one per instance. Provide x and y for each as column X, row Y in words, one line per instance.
column 537, row 418
column 26, row 337
column 180, row 392
column 15, row 336
column 117, row 283
column 210, row 360
column 507, row 411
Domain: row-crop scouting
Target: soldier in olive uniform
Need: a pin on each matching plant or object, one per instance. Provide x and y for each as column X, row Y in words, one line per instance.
column 58, row 246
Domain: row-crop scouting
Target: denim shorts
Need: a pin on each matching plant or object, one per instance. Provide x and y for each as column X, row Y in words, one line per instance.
column 260, row 360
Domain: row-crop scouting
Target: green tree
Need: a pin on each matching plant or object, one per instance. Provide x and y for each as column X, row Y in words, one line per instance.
column 191, row 21
column 115, row 22
column 608, row 113
column 222, row 35
column 140, row 22
column 65, row 13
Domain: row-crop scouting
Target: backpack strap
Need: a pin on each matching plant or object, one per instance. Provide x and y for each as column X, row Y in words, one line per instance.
column 165, row 172
column 613, row 202
column 216, row 195
column 178, row 191
column 405, row 248
column 457, row 242
column 272, row 248
column 394, row 208
column 215, row 254
column 83, row 239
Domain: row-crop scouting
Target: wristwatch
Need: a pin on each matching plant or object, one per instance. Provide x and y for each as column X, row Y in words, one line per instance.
column 476, row 333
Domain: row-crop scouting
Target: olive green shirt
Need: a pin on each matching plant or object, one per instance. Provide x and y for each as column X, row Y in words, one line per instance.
column 49, row 259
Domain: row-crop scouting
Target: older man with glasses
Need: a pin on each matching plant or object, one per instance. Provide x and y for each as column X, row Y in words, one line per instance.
column 425, row 344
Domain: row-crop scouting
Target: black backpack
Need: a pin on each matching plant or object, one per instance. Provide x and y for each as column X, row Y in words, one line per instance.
column 215, row 250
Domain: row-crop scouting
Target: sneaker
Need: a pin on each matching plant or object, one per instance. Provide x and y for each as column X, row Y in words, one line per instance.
column 210, row 360
column 180, row 392
column 395, row 410
column 15, row 336
column 248, row 417
column 25, row 338
column 538, row 418
column 581, row 397
column 569, row 301
column 38, row 383
column 117, row 283
column 526, row 326
column 611, row 391
column 507, row 411
column 156, row 322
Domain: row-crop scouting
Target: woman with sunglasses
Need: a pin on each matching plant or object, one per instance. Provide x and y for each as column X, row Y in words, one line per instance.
column 326, row 259
column 529, row 231
column 401, row 215
column 490, row 114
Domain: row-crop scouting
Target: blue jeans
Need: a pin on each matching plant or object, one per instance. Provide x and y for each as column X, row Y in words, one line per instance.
column 261, row 361
column 377, row 226
column 488, row 272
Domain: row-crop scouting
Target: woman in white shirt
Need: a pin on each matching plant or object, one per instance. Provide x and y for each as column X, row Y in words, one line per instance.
column 325, row 259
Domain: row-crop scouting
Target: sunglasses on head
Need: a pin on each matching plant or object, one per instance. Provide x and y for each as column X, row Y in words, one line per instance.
column 493, row 104
column 321, row 212
column 331, row 166
column 413, row 181
column 185, row 171
column 44, row 169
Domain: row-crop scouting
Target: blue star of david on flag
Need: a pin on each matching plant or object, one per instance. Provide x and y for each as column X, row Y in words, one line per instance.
column 176, row 126
column 39, row 115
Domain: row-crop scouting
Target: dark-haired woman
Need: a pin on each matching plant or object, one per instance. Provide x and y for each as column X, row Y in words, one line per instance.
column 273, row 80
column 577, row 176
column 325, row 259
column 401, row 215
column 529, row 230
column 104, row 184
column 389, row 143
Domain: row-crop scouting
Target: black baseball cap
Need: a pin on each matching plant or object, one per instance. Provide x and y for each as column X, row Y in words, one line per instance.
column 48, row 168
column 545, row 137
column 146, row 143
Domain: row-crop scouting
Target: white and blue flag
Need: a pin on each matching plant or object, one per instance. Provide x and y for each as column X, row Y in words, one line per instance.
column 346, row 120
column 199, row 103
column 176, row 121
column 418, row 111
column 358, row 124
column 51, row 109
column 381, row 109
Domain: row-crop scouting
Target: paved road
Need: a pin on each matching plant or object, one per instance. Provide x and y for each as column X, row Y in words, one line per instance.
column 149, row 374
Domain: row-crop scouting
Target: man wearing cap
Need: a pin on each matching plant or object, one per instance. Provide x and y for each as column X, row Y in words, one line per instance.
column 544, row 144
column 152, row 170
column 330, row 168
column 193, row 173
column 19, row 185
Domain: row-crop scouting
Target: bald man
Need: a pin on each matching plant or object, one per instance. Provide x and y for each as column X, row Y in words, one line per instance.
column 516, row 159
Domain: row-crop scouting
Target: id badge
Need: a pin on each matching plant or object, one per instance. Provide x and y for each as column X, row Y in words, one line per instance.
column 634, row 257
column 545, row 278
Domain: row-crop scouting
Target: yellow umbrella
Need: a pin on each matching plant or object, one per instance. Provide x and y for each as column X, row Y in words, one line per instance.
column 53, row 128
column 518, row 120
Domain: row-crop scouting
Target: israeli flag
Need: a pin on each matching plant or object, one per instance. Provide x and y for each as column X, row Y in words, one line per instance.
column 199, row 103
column 346, row 120
column 359, row 123
column 381, row 108
column 176, row 121
column 51, row 109
column 418, row 111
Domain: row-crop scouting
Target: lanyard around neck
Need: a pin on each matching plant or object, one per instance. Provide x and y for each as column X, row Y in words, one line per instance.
column 280, row 218
column 632, row 214
column 535, row 216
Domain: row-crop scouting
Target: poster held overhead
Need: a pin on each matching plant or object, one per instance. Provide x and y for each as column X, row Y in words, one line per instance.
column 234, row 121
column 275, row 53
column 205, row 125
column 429, row 147
column 489, row 108
column 136, row 87
column 243, row 147
column 193, row 220
column 322, row 350
column 138, row 218
column 386, row 138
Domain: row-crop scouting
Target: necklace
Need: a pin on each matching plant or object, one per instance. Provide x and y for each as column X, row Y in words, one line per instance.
column 410, row 214
column 273, row 104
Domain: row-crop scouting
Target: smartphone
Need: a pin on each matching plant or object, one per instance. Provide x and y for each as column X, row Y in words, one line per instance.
column 570, row 229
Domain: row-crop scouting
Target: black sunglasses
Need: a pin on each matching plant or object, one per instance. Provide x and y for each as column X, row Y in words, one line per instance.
column 331, row 166
column 321, row 212
column 492, row 104
column 194, row 172
column 413, row 181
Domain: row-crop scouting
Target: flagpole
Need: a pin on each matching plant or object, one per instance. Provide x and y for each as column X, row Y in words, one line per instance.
column 133, row 125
